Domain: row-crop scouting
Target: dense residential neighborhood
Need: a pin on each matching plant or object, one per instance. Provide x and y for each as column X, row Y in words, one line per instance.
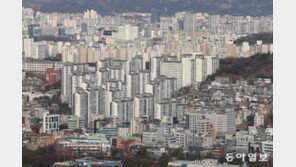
column 142, row 89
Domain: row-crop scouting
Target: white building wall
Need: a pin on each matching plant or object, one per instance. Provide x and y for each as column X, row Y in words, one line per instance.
column 201, row 69
column 172, row 69
column 29, row 47
column 187, row 70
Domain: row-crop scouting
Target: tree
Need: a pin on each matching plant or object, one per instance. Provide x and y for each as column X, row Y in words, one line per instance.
column 78, row 131
column 266, row 37
column 250, row 120
column 164, row 159
column 222, row 160
column 63, row 126
column 43, row 156
column 142, row 158
column 116, row 153
column 258, row 65
column 142, row 152
column 209, row 156
column 237, row 161
column 191, row 157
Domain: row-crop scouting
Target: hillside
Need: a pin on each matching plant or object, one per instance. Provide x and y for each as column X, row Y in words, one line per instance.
column 168, row 7
column 267, row 38
column 256, row 66
column 259, row 65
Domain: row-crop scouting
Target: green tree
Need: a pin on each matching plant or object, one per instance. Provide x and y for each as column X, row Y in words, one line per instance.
column 237, row 161
column 250, row 120
column 63, row 126
column 209, row 156
column 222, row 160
column 164, row 159
column 143, row 156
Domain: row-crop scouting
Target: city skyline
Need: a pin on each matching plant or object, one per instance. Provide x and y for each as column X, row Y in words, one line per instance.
column 185, row 89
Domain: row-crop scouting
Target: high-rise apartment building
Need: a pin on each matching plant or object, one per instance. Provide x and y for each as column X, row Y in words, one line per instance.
column 126, row 33
column 212, row 65
column 144, row 105
column 29, row 47
column 80, row 103
column 188, row 70
column 189, row 23
column 172, row 69
column 201, row 68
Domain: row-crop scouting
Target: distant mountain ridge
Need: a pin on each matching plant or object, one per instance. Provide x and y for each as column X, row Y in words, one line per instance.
column 167, row 7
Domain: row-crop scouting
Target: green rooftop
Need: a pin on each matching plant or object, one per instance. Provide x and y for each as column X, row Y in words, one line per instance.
column 126, row 137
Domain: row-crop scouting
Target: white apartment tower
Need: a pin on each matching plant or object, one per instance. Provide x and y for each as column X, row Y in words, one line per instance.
column 127, row 33
column 212, row 65
column 66, row 74
column 188, row 70
column 172, row 69
column 29, row 47
column 201, row 69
